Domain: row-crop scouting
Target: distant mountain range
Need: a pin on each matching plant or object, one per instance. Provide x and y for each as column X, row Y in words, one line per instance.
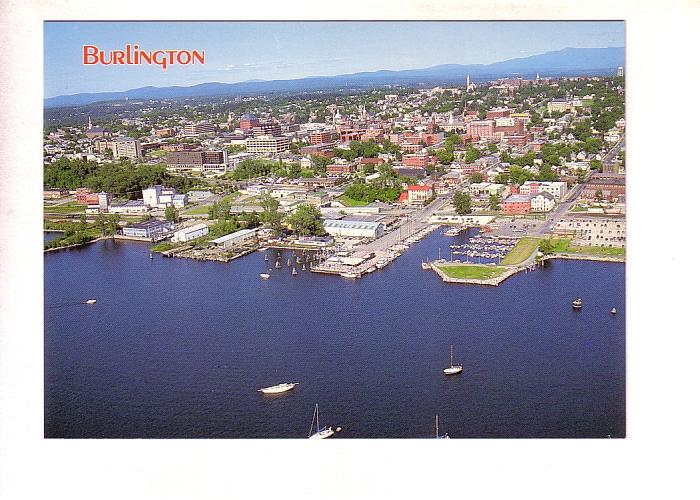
column 565, row 62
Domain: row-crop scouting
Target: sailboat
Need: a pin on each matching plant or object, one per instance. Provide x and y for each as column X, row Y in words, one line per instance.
column 452, row 369
column 437, row 430
column 321, row 432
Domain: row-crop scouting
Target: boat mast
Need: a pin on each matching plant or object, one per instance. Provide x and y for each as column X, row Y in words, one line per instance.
column 437, row 434
column 451, row 363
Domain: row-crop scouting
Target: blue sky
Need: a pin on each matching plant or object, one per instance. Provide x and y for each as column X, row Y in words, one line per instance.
column 239, row 51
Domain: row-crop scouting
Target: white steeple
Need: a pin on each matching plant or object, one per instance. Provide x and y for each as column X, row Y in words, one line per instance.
column 89, row 123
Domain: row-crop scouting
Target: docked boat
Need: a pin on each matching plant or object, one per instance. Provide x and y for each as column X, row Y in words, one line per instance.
column 279, row 388
column 350, row 275
column 303, row 267
column 289, row 262
column 266, row 258
column 426, row 266
column 265, row 276
column 321, row 432
column 437, row 430
column 452, row 369
column 90, row 301
column 577, row 304
column 613, row 311
column 278, row 265
column 294, row 271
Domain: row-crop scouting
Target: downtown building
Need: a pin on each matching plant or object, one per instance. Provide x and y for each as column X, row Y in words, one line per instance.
column 201, row 128
column 267, row 144
column 125, row 147
column 207, row 162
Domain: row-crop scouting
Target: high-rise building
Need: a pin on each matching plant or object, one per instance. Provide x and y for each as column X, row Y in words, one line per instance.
column 199, row 161
column 199, row 128
column 125, row 147
column 267, row 144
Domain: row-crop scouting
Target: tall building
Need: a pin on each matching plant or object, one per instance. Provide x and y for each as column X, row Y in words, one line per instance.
column 200, row 161
column 200, row 128
column 267, row 144
column 248, row 121
column 125, row 147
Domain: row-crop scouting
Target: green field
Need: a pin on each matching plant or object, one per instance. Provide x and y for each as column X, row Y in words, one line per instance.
column 521, row 251
column 65, row 208
column 350, row 202
column 563, row 245
column 472, row 271
column 204, row 209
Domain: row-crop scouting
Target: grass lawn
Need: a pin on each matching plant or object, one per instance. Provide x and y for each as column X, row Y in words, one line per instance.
column 65, row 208
column 472, row 272
column 563, row 245
column 349, row 202
column 521, row 251
column 157, row 153
column 204, row 209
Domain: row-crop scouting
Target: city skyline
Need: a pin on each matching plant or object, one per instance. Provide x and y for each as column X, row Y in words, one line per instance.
column 275, row 50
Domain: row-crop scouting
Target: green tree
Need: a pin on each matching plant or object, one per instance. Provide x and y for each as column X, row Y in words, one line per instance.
column 171, row 214
column 271, row 216
column 547, row 246
column 494, row 202
column 493, row 148
column 599, row 195
column 462, row 203
column 112, row 224
column 306, row 220
column 476, row 177
column 101, row 224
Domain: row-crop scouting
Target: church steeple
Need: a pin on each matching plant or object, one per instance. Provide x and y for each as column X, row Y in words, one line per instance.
column 89, row 123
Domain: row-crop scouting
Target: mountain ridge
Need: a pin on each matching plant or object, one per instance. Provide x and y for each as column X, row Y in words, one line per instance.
column 563, row 62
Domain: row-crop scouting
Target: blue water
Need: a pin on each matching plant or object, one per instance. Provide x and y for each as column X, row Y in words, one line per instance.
column 176, row 348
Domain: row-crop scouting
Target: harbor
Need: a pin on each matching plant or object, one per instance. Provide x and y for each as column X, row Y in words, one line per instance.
column 209, row 336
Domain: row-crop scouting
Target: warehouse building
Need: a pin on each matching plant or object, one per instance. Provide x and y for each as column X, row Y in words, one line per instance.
column 353, row 228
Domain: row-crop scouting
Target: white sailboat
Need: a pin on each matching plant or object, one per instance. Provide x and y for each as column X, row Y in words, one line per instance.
column 264, row 276
column 437, row 430
column 321, row 432
column 452, row 369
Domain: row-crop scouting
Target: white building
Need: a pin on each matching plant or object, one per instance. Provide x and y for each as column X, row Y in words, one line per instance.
column 190, row 233
column 267, row 144
column 542, row 202
column 556, row 189
column 353, row 228
column 126, row 147
column 160, row 197
column 229, row 240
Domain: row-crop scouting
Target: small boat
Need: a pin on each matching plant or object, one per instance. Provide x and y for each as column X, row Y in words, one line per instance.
column 321, row 432
column 452, row 369
column 577, row 304
column 279, row 388
column 298, row 260
column 303, row 267
column 613, row 311
column 90, row 301
column 437, row 430
column 151, row 255
column 265, row 276
column 349, row 275
column 278, row 265
column 294, row 271
column 425, row 266
column 289, row 262
column 266, row 258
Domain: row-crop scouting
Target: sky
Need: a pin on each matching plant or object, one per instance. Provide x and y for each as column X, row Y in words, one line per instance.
column 240, row 51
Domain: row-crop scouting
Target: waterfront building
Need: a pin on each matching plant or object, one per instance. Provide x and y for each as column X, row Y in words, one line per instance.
column 134, row 207
column 190, row 233
column 232, row 239
column 149, row 229
column 160, row 197
column 587, row 230
column 353, row 228
column 267, row 144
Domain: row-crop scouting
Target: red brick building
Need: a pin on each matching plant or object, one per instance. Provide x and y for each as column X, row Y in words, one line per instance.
column 516, row 204
column 321, row 137
column 85, row 196
column 415, row 160
column 341, row 169
column 248, row 122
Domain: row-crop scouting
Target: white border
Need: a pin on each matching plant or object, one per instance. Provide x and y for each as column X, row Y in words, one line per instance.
column 662, row 75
